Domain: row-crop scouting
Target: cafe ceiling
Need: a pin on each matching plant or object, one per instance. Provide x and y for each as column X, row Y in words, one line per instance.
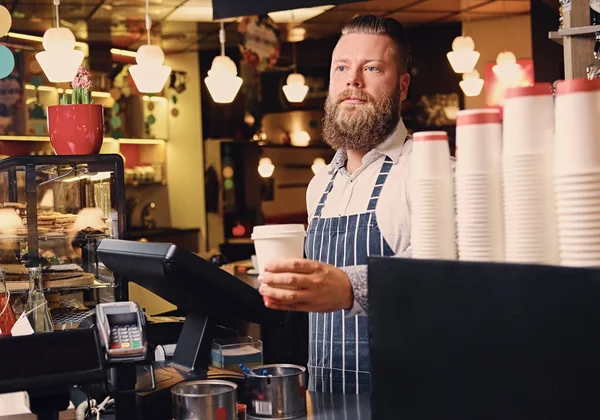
column 185, row 25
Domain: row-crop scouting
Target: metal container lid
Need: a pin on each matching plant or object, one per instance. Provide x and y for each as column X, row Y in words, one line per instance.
column 203, row 388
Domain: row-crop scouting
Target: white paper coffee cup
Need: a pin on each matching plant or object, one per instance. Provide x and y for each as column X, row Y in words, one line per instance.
column 275, row 242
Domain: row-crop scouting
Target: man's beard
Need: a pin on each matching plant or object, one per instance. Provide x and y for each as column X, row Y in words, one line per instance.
column 360, row 127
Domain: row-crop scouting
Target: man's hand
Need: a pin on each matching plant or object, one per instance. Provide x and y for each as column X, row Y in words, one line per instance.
column 305, row 285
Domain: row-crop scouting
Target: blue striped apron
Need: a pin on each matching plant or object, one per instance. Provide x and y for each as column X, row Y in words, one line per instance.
column 338, row 359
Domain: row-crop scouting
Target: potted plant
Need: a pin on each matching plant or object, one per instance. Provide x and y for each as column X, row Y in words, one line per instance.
column 76, row 126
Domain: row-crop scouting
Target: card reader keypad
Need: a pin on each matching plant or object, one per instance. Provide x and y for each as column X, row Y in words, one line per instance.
column 125, row 337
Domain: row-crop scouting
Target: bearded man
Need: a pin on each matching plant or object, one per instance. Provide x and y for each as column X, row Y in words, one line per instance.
column 358, row 205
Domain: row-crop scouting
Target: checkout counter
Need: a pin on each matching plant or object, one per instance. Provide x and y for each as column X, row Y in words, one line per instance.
column 467, row 340
column 141, row 387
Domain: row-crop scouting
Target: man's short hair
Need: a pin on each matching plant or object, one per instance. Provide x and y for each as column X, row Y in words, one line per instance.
column 374, row 25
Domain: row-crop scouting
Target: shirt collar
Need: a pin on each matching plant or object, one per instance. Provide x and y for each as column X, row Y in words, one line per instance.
column 391, row 147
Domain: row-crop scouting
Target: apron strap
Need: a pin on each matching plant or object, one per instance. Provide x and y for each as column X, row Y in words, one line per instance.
column 321, row 204
column 386, row 166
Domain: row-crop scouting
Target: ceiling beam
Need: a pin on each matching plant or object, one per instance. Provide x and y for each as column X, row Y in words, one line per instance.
column 466, row 9
column 400, row 9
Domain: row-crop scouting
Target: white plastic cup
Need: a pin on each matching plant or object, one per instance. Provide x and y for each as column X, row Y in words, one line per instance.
column 528, row 125
column 275, row 242
column 478, row 141
column 577, row 126
column 430, row 156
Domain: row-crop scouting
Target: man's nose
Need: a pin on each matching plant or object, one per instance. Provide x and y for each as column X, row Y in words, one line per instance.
column 355, row 79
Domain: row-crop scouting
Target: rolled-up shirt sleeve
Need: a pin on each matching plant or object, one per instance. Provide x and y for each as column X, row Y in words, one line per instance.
column 358, row 276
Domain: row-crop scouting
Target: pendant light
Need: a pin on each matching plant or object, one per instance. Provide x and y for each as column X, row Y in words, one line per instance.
column 222, row 82
column 265, row 167
column 471, row 84
column 149, row 74
column 463, row 56
column 295, row 89
column 60, row 61
column 507, row 70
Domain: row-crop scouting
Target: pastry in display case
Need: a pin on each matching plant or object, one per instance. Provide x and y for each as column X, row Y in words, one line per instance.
column 54, row 212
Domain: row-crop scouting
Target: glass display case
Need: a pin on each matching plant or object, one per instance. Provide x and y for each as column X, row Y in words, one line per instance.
column 54, row 212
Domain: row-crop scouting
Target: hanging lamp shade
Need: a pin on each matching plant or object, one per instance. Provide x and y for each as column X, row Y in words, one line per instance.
column 463, row 56
column 295, row 89
column 150, row 74
column 471, row 84
column 265, row 167
column 59, row 60
column 507, row 70
column 222, row 82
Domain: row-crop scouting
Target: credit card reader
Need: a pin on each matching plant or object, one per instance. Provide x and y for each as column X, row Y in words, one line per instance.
column 122, row 327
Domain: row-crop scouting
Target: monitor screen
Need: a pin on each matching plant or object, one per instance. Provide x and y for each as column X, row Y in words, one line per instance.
column 185, row 280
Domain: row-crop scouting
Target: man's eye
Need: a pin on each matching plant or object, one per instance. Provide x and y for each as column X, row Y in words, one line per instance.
column 340, row 68
column 371, row 68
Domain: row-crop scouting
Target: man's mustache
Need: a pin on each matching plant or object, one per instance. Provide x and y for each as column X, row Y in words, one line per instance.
column 354, row 94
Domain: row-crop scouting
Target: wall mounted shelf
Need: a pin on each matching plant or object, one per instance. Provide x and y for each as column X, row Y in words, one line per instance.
column 576, row 31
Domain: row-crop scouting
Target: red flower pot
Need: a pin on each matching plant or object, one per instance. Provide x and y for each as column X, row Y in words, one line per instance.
column 76, row 129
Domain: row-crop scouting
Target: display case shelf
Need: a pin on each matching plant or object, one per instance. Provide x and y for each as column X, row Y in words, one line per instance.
column 97, row 285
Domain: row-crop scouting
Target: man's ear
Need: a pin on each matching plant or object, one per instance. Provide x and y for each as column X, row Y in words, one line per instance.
column 404, row 83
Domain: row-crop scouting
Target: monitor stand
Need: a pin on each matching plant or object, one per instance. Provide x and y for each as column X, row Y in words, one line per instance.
column 190, row 361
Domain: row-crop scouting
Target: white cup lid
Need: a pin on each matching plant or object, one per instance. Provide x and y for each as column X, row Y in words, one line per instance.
column 273, row 231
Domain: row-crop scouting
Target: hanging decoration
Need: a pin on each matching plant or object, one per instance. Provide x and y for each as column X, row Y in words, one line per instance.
column 7, row 60
column 178, row 84
column 463, row 56
column 259, row 43
column 222, row 82
column 149, row 74
column 60, row 61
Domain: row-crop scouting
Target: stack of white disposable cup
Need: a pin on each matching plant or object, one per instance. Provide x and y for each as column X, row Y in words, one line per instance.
column 432, row 196
column 479, row 185
column 530, row 234
column 275, row 242
column 577, row 171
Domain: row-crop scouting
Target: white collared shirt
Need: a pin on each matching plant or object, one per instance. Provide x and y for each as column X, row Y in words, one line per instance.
column 351, row 192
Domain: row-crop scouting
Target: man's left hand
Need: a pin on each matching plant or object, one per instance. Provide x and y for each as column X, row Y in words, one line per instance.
column 305, row 285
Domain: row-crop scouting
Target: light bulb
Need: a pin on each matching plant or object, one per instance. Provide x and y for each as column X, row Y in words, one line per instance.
column 300, row 139
column 265, row 167
column 60, row 61
column 318, row 164
column 471, row 84
column 222, row 82
column 507, row 70
column 295, row 89
column 149, row 74
column 463, row 56
column 297, row 34
column 58, row 39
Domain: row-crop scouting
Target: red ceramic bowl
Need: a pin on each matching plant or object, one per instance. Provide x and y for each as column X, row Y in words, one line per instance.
column 76, row 129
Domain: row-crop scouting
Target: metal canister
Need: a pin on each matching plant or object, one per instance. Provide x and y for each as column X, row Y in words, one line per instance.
column 205, row 400
column 276, row 392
